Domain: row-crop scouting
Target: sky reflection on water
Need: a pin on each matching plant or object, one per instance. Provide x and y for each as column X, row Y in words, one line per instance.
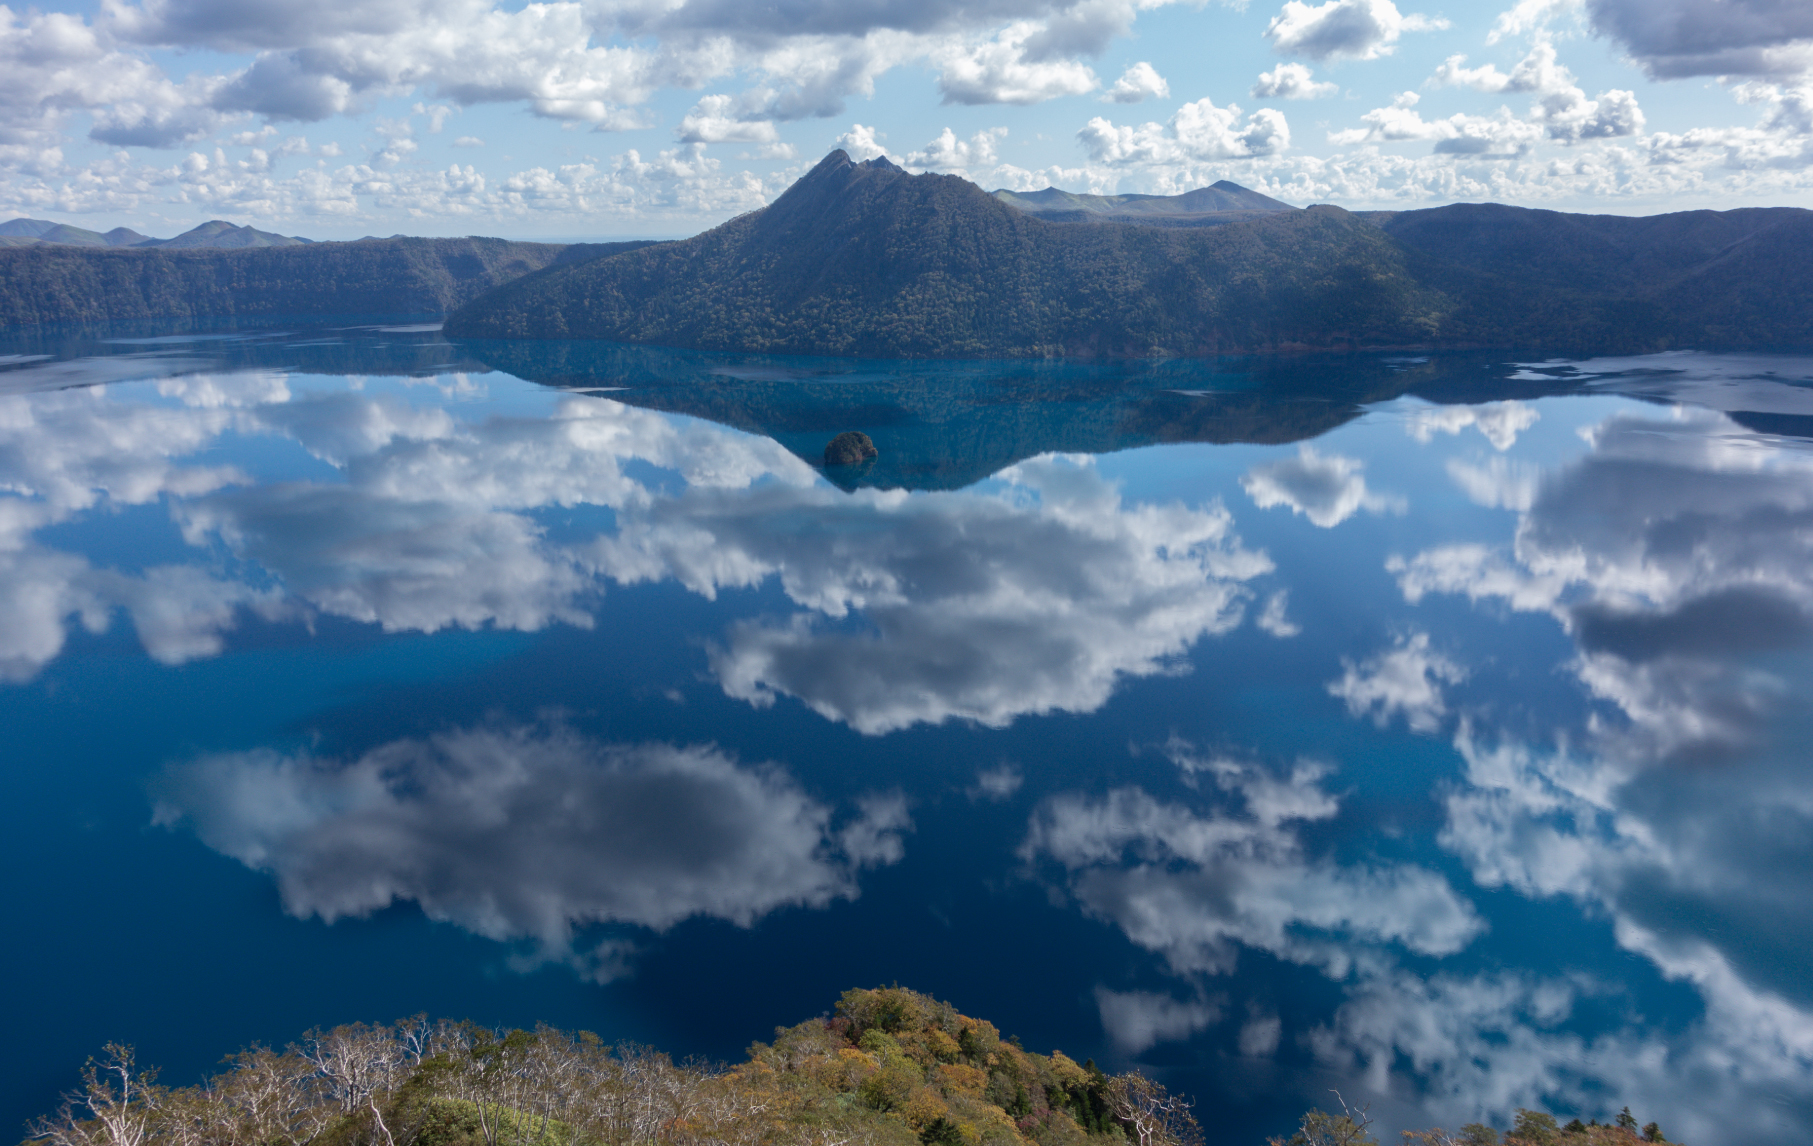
column 1422, row 728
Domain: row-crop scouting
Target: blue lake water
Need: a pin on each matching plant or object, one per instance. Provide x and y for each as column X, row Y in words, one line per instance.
column 1428, row 729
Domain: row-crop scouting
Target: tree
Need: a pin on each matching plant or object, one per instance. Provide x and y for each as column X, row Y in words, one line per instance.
column 1320, row 1128
column 1152, row 1115
column 1534, row 1128
column 115, row 1107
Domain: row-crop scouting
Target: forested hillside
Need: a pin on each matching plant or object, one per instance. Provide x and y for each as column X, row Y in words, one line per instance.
column 53, row 283
column 890, row 1067
column 864, row 259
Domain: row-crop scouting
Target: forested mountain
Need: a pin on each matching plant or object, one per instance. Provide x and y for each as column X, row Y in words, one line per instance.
column 400, row 276
column 890, row 1067
column 1220, row 202
column 865, row 259
column 1738, row 279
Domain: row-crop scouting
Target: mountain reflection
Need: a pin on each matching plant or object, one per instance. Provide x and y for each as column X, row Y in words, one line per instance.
column 1032, row 596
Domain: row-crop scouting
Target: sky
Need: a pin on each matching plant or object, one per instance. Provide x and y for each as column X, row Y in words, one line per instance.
column 598, row 119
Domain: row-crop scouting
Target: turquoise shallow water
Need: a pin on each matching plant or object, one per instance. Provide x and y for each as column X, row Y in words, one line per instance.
column 1426, row 729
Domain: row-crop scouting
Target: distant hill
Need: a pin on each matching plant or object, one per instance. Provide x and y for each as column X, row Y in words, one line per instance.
column 217, row 234
column 222, row 235
column 1221, row 202
column 48, row 283
column 865, row 259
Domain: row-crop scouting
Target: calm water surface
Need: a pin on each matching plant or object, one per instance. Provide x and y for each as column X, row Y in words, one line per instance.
column 1433, row 730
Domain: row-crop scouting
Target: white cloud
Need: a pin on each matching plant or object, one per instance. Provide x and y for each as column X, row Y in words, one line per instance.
column 1198, row 131
column 530, row 833
column 862, row 143
column 1003, row 70
column 1327, row 490
column 1140, row 82
column 1354, row 29
column 468, row 141
column 713, row 120
column 1501, row 135
column 957, row 156
column 1406, row 679
column 1291, row 81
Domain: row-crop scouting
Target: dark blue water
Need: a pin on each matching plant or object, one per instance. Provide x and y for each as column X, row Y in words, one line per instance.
column 1432, row 730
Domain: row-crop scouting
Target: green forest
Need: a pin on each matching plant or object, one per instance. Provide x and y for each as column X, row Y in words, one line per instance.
column 888, row 1067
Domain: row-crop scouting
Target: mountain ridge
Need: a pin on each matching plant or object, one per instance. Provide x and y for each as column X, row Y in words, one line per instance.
column 51, row 283
column 216, row 234
column 864, row 259
column 1220, row 202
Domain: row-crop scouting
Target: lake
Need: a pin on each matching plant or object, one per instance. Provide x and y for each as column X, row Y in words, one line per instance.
column 1427, row 729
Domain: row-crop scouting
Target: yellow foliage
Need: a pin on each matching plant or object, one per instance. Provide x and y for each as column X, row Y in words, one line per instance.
column 964, row 1079
column 923, row 1108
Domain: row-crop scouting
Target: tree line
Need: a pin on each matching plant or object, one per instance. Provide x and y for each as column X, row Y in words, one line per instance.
column 890, row 1067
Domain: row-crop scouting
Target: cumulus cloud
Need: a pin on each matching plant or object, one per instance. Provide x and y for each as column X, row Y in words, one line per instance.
column 1005, row 70
column 1406, row 679
column 1354, row 29
column 713, row 120
column 1562, row 107
column 1140, row 82
column 864, row 143
column 1291, row 81
column 1195, row 886
column 957, row 156
column 1327, row 490
column 1198, row 131
column 530, row 833
column 1500, row 135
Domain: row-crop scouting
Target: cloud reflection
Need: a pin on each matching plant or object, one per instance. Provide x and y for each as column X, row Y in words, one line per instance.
column 1326, row 489
column 1195, row 885
column 1677, row 552
column 532, row 833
